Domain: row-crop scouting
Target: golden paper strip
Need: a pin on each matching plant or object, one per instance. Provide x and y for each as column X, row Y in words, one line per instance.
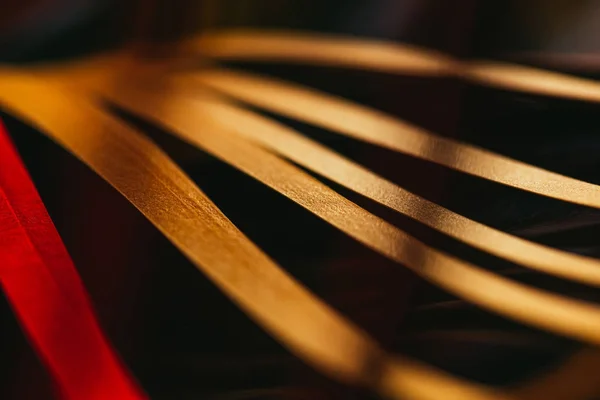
column 320, row 159
column 369, row 125
column 564, row 316
column 532, row 80
column 94, row 73
column 386, row 56
column 314, row 48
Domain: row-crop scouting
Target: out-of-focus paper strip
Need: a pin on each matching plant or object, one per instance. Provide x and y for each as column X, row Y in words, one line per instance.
column 369, row 125
column 314, row 48
column 575, row 319
column 383, row 56
column 531, row 80
column 320, row 159
column 166, row 196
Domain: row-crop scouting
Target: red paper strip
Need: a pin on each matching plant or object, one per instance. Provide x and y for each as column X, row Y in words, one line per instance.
column 50, row 301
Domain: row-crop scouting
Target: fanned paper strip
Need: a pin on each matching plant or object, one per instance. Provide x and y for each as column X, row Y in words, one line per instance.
column 165, row 195
column 319, row 49
column 384, row 56
column 318, row 158
column 532, row 80
column 558, row 314
column 95, row 73
column 372, row 126
column 44, row 290
column 270, row 134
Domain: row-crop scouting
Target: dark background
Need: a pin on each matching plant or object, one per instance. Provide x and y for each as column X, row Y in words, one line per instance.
column 181, row 337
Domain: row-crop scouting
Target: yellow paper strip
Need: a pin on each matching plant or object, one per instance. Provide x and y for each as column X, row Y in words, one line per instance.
column 369, row 125
column 146, row 176
column 180, row 114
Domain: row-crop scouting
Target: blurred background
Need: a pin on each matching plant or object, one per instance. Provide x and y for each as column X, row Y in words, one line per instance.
column 180, row 336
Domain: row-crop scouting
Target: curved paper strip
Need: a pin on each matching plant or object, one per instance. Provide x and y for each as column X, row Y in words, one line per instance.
column 390, row 57
column 555, row 313
column 35, row 221
column 314, row 48
column 166, row 196
column 345, row 172
column 579, row 62
column 366, row 124
column 531, row 80
column 43, row 288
